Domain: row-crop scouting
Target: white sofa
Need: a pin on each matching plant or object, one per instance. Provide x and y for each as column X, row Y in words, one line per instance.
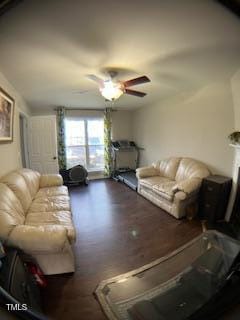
column 35, row 216
column 172, row 183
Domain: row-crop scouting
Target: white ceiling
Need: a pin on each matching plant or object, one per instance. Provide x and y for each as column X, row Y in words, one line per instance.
column 48, row 47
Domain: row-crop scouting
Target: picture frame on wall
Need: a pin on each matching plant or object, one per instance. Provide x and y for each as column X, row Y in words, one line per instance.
column 6, row 116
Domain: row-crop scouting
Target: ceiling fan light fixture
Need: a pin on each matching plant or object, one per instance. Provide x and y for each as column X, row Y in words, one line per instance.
column 111, row 90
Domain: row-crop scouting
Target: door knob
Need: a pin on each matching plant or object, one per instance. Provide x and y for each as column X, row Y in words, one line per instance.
column 54, row 158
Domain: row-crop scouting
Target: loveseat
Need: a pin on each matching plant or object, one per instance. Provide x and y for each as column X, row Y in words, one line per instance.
column 172, row 184
column 35, row 216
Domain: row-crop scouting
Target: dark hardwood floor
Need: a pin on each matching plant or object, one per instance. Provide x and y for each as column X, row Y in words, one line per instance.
column 117, row 231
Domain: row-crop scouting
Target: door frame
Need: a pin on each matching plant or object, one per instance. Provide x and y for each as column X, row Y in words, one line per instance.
column 24, row 142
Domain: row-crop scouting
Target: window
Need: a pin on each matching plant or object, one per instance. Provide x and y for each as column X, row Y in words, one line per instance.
column 85, row 143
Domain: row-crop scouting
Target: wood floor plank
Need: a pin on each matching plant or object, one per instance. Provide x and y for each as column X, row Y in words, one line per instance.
column 117, row 231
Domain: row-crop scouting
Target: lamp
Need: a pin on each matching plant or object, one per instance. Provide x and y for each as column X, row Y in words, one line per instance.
column 111, row 90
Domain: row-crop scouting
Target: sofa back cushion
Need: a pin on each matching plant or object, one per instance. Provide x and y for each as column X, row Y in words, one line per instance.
column 32, row 179
column 190, row 168
column 168, row 167
column 11, row 211
column 17, row 184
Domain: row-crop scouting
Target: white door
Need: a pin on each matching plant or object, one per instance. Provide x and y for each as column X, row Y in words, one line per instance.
column 43, row 144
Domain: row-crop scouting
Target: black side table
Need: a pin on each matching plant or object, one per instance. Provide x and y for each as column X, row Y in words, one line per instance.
column 214, row 195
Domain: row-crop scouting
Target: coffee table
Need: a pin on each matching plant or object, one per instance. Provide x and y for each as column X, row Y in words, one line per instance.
column 174, row 287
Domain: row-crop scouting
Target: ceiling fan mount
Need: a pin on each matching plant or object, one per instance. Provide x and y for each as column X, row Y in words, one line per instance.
column 112, row 73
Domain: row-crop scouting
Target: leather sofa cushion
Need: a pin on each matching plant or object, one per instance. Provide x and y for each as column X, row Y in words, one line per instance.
column 189, row 185
column 62, row 218
column 152, row 181
column 165, row 189
column 39, row 239
column 32, row 179
column 52, row 191
column 54, row 203
column 11, row 211
column 17, row 184
column 168, row 167
column 190, row 168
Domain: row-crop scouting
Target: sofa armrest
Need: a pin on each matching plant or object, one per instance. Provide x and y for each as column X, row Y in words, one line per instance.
column 50, row 180
column 146, row 172
column 189, row 185
column 180, row 196
column 40, row 239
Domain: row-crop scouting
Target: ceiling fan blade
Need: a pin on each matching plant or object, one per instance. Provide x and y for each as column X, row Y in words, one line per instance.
column 135, row 93
column 95, row 78
column 136, row 81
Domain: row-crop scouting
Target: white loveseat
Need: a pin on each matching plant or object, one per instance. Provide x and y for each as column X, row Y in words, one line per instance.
column 35, row 216
column 172, row 183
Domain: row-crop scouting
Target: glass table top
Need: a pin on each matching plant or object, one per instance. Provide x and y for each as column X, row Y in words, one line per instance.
column 172, row 287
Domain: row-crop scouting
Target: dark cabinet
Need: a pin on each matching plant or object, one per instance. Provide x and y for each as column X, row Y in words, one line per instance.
column 214, row 195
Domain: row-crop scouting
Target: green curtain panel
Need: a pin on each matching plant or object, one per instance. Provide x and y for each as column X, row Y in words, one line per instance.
column 107, row 142
column 61, row 138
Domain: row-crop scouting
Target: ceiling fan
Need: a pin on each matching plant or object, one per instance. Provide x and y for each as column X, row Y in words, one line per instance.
column 112, row 89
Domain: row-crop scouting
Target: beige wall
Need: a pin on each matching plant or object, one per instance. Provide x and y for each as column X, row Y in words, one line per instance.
column 122, row 125
column 196, row 125
column 10, row 156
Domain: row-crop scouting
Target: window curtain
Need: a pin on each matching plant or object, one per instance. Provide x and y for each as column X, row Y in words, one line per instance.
column 107, row 142
column 61, row 138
